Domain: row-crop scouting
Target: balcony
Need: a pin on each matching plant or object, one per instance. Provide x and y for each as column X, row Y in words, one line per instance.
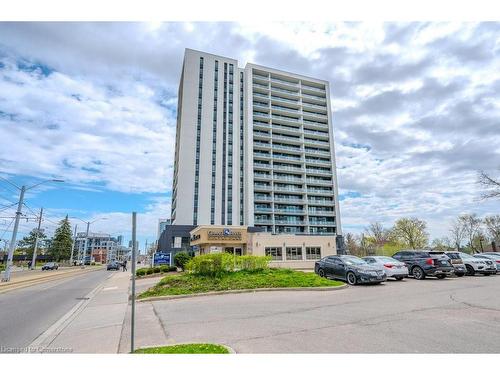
column 319, row 181
column 319, row 99
column 320, row 202
column 262, row 198
column 287, row 189
column 287, row 148
column 290, row 222
column 293, row 94
column 260, row 144
column 319, row 191
column 259, row 95
column 316, row 152
column 289, row 200
column 313, row 88
column 260, row 106
column 315, row 115
column 291, row 179
column 293, row 120
column 318, row 171
column 316, row 142
column 284, row 109
column 263, row 209
column 262, row 166
column 319, row 106
column 261, row 155
column 260, row 86
column 277, row 80
column 287, row 168
column 260, row 175
column 260, row 134
column 318, row 161
column 285, row 100
column 288, row 158
column 286, row 138
column 289, row 211
column 284, row 128
column 316, row 133
column 264, row 187
column 321, row 212
column 263, row 221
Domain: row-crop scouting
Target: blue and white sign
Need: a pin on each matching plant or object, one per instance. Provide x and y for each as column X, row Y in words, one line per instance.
column 160, row 259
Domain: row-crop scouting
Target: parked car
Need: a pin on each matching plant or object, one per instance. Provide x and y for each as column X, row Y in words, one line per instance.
column 476, row 265
column 456, row 262
column 349, row 268
column 113, row 265
column 392, row 267
column 50, row 266
column 422, row 263
column 493, row 258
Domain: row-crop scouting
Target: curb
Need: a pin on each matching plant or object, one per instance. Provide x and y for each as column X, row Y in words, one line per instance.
column 31, row 282
column 239, row 291
column 156, row 275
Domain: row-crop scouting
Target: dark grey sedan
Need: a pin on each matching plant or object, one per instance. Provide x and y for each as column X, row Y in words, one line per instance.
column 349, row 268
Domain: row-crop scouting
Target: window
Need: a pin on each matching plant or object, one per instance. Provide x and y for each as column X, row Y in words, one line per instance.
column 313, row 252
column 276, row 253
column 294, row 253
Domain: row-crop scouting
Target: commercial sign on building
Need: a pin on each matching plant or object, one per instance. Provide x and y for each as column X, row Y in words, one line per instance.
column 226, row 235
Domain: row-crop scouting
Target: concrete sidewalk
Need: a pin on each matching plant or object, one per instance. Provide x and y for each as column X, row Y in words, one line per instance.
column 95, row 324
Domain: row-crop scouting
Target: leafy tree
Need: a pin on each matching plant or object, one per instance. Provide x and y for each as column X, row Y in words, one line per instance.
column 441, row 244
column 411, row 232
column 28, row 242
column 471, row 224
column 181, row 259
column 352, row 246
column 62, row 241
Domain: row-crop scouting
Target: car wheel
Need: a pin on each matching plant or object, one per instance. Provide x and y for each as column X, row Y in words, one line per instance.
column 418, row 273
column 441, row 276
column 351, row 278
column 321, row 273
column 460, row 274
column 399, row 278
column 486, row 274
column 470, row 270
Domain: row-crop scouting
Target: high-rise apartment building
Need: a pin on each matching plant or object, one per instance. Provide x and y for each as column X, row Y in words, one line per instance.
column 254, row 147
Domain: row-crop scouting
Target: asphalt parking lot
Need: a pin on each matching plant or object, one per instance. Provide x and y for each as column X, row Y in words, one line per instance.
column 457, row 315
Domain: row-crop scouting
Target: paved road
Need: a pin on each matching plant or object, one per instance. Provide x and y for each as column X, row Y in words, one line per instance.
column 460, row 315
column 28, row 312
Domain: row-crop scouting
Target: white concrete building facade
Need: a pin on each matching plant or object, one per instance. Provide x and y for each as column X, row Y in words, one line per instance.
column 254, row 147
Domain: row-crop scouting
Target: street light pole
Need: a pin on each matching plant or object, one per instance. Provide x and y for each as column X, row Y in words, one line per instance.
column 33, row 260
column 6, row 276
column 73, row 247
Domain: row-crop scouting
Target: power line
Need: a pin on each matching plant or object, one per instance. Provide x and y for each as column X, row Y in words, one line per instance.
column 3, row 208
column 6, row 229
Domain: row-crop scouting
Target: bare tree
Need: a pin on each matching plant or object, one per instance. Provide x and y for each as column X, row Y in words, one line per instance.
column 457, row 233
column 352, row 246
column 490, row 184
column 472, row 228
column 378, row 232
column 411, row 232
column 492, row 224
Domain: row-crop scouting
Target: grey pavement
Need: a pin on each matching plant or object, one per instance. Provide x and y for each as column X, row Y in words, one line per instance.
column 459, row 315
column 26, row 313
column 96, row 325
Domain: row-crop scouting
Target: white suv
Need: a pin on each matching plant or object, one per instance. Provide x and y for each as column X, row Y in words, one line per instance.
column 475, row 265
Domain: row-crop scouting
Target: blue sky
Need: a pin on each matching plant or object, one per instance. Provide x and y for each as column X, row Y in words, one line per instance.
column 415, row 113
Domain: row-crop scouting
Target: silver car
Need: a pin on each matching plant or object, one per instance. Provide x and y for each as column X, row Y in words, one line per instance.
column 477, row 265
column 494, row 258
column 392, row 267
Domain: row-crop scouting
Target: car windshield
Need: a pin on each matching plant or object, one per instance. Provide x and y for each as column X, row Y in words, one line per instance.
column 353, row 261
column 453, row 255
column 496, row 255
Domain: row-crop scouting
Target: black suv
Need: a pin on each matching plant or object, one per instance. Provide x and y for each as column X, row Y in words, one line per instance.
column 422, row 263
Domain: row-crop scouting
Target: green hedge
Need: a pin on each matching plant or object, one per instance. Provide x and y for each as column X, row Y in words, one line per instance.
column 217, row 264
column 153, row 270
column 181, row 259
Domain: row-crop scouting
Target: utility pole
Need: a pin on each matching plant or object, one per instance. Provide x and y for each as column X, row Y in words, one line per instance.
column 6, row 276
column 33, row 260
column 73, row 247
column 134, row 248
column 85, row 248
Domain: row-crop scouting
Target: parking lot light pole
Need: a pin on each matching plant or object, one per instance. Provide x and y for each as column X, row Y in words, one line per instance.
column 73, row 247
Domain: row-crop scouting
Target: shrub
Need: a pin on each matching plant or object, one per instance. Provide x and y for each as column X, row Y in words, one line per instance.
column 172, row 269
column 211, row 264
column 140, row 272
column 164, row 269
column 181, row 259
column 252, row 262
column 156, row 270
column 149, row 271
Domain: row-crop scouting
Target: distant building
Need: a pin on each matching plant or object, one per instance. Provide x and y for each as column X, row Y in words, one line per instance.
column 136, row 245
column 162, row 224
column 102, row 247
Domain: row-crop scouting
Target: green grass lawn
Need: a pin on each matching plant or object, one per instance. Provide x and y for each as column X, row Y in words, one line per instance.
column 185, row 349
column 271, row 278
